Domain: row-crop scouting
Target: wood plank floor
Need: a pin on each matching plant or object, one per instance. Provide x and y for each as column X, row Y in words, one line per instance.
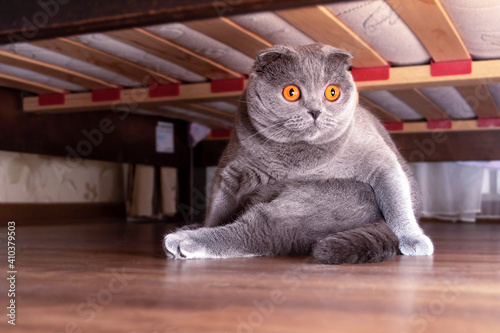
column 115, row 278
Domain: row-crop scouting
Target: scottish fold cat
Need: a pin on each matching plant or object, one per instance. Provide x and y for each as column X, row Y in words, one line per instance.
column 307, row 171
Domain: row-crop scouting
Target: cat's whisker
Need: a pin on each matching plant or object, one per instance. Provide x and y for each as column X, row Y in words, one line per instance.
column 262, row 130
column 275, row 134
column 246, row 102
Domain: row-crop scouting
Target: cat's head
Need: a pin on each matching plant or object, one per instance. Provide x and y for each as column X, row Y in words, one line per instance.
column 301, row 93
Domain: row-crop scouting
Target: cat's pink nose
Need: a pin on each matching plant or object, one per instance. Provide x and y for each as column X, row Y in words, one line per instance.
column 314, row 113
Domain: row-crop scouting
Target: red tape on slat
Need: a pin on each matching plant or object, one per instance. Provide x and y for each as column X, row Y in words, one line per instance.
column 51, row 99
column 371, row 73
column 494, row 122
column 165, row 90
column 439, row 124
column 227, row 85
column 451, row 67
column 393, row 126
column 105, row 95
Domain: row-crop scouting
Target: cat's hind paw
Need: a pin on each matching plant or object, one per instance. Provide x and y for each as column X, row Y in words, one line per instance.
column 416, row 245
column 180, row 245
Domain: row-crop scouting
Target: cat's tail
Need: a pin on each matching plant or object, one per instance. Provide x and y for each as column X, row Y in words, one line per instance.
column 374, row 242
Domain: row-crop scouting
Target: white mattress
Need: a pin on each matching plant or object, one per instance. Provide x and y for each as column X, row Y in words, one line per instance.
column 449, row 99
column 273, row 28
column 379, row 25
column 478, row 22
column 125, row 51
column 40, row 78
column 204, row 45
column 62, row 60
column 392, row 104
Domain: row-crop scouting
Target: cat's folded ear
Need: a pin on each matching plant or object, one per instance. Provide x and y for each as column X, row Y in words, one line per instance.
column 271, row 56
column 337, row 56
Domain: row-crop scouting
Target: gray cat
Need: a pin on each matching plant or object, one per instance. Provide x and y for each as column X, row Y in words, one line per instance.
column 307, row 171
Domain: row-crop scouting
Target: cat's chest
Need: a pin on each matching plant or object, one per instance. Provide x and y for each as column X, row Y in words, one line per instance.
column 298, row 164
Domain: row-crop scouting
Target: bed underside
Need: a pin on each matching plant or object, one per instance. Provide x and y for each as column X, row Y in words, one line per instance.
column 177, row 70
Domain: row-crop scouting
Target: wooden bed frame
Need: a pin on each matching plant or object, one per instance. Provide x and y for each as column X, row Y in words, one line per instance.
column 30, row 120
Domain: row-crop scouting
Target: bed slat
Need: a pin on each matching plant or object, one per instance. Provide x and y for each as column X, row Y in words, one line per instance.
column 415, row 99
column 320, row 24
column 105, row 60
column 409, row 77
column 456, row 126
column 54, row 71
column 232, row 34
column 28, row 85
column 163, row 48
column 210, row 111
column 481, row 101
column 432, row 25
column 381, row 113
column 186, row 117
column 79, row 102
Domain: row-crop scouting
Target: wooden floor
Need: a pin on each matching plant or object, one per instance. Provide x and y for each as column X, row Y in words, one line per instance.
column 115, row 278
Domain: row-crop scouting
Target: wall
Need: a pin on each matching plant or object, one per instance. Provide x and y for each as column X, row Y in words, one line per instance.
column 32, row 178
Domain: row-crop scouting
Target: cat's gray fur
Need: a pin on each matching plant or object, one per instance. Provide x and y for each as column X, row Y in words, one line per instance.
column 292, row 184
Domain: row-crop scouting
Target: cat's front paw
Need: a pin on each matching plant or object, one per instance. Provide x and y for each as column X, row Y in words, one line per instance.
column 416, row 245
column 180, row 245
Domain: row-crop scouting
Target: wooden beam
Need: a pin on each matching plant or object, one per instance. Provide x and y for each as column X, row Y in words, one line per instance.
column 78, row 102
column 408, row 77
column 430, row 146
column 177, row 54
column 481, row 101
column 203, row 109
column 67, row 18
column 28, row 85
column 320, row 24
column 439, row 146
column 186, row 117
column 105, row 60
column 456, row 126
column 232, row 34
column 415, row 99
column 432, row 25
column 381, row 113
column 233, row 100
column 54, row 71
column 206, row 111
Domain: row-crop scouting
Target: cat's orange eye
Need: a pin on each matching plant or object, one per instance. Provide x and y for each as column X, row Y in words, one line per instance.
column 291, row 93
column 332, row 93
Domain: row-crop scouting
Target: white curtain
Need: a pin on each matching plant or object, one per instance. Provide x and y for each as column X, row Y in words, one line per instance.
column 450, row 190
column 455, row 191
column 490, row 205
